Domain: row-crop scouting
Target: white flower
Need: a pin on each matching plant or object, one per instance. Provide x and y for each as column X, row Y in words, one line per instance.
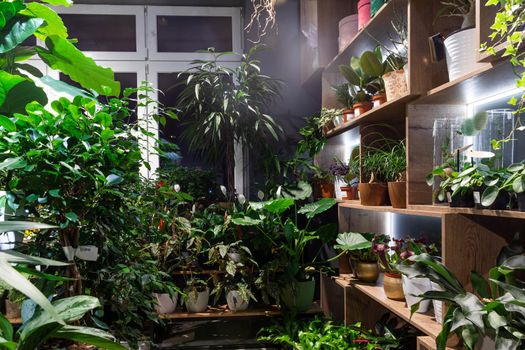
column 194, row 208
column 224, row 190
column 260, row 195
column 241, row 199
column 176, row 188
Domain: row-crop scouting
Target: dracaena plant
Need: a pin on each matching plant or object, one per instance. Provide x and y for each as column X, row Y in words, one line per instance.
column 22, row 20
column 496, row 308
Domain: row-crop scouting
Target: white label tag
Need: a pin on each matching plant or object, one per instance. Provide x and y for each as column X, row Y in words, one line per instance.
column 477, row 197
column 87, row 252
column 449, row 197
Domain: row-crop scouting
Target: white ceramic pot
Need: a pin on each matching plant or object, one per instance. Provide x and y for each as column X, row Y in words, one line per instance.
column 438, row 305
column 413, row 287
column 462, row 53
column 197, row 301
column 165, row 303
column 347, row 31
column 235, row 302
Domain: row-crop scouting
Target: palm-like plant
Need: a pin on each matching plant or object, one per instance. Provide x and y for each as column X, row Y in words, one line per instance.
column 224, row 106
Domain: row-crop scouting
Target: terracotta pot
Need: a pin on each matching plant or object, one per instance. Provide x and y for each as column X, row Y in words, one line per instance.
column 373, row 194
column 363, row 13
column 393, row 286
column 324, row 190
column 361, row 107
column 351, row 192
column 348, row 114
column 367, row 271
column 378, row 100
column 395, row 84
column 397, row 191
column 12, row 310
column 328, row 126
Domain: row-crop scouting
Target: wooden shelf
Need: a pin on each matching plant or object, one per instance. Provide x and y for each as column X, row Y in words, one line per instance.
column 364, row 40
column 354, row 204
column 389, row 111
column 442, row 209
column 426, row 323
column 474, row 86
column 428, row 343
column 224, row 312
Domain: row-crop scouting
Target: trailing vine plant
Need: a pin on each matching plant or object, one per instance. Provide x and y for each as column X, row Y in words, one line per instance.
column 507, row 30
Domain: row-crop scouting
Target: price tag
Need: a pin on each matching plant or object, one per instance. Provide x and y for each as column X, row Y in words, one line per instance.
column 87, row 252
column 477, row 197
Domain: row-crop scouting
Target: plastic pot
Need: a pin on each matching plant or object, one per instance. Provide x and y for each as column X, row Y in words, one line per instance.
column 165, row 303
column 393, row 286
column 348, row 114
column 361, row 107
column 347, row 30
column 395, row 84
column 298, row 296
column 397, row 191
column 521, row 201
column 461, row 200
column 351, row 192
column 363, row 13
column 378, row 100
column 197, row 301
column 373, row 194
column 438, row 305
column 461, row 51
column 414, row 287
column 501, row 203
column 235, row 302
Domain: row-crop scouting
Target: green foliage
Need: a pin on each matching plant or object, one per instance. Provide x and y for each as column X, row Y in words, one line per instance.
column 20, row 21
column 365, row 74
column 198, row 183
column 385, row 162
column 221, row 106
column 344, row 94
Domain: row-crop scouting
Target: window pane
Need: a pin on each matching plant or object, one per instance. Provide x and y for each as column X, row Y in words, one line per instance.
column 127, row 80
column 103, row 32
column 192, row 33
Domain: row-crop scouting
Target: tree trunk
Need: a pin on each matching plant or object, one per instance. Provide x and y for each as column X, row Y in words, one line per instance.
column 69, row 238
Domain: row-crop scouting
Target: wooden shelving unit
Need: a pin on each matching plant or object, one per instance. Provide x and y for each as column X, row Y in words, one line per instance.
column 428, row 343
column 470, row 239
column 224, row 312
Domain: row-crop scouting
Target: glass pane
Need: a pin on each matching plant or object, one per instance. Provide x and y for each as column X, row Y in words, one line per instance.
column 172, row 131
column 103, row 32
column 192, row 33
column 127, row 80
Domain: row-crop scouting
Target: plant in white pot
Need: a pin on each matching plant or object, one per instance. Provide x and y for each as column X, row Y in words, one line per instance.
column 197, row 295
column 416, row 286
column 237, row 292
column 461, row 47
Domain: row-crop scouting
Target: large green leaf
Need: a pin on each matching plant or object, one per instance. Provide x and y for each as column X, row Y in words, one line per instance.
column 518, row 185
column 7, row 226
column 275, row 206
column 18, row 30
column 371, row 65
column 351, row 241
column 349, row 74
column 20, row 95
column 12, row 256
column 53, row 23
column 8, row 82
column 89, row 335
column 246, row 221
column 16, row 280
column 62, row 55
column 313, row 209
column 8, row 10
column 489, row 196
column 303, row 190
column 480, row 285
column 6, row 328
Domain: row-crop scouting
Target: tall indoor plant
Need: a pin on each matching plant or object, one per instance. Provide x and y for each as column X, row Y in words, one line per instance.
column 222, row 107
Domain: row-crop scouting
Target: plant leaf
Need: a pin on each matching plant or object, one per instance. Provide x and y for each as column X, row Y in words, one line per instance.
column 313, row 209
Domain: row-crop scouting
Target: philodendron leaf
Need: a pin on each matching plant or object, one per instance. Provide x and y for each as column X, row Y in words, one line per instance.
column 489, row 196
column 276, row 206
column 313, row 209
column 63, row 56
column 19, row 29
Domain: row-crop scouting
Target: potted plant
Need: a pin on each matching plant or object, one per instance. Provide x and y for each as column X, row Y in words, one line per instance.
column 344, row 94
column 329, row 119
column 348, row 173
column 499, row 185
column 359, row 247
column 362, row 72
column 389, row 257
column 323, row 183
column 237, row 292
column 460, row 46
column 373, row 190
column 363, row 13
column 416, row 286
column 197, row 295
column 395, row 173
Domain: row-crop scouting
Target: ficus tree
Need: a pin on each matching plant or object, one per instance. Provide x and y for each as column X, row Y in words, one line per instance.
column 20, row 82
column 222, row 106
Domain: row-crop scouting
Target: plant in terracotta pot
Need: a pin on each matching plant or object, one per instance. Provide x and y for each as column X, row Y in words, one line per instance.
column 363, row 73
column 329, row 119
column 373, row 190
column 344, row 94
column 359, row 247
column 348, row 174
column 395, row 172
column 323, row 183
column 389, row 257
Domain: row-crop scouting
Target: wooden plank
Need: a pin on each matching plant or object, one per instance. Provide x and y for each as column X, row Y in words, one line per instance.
column 354, row 204
column 445, row 209
column 424, row 322
column 224, row 312
column 428, row 343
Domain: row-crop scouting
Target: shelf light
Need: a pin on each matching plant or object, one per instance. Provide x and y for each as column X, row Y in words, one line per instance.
column 471, row 107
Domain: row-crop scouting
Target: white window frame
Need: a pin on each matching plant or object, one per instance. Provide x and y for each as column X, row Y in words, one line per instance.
column 140, row 29
column 154, row 11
